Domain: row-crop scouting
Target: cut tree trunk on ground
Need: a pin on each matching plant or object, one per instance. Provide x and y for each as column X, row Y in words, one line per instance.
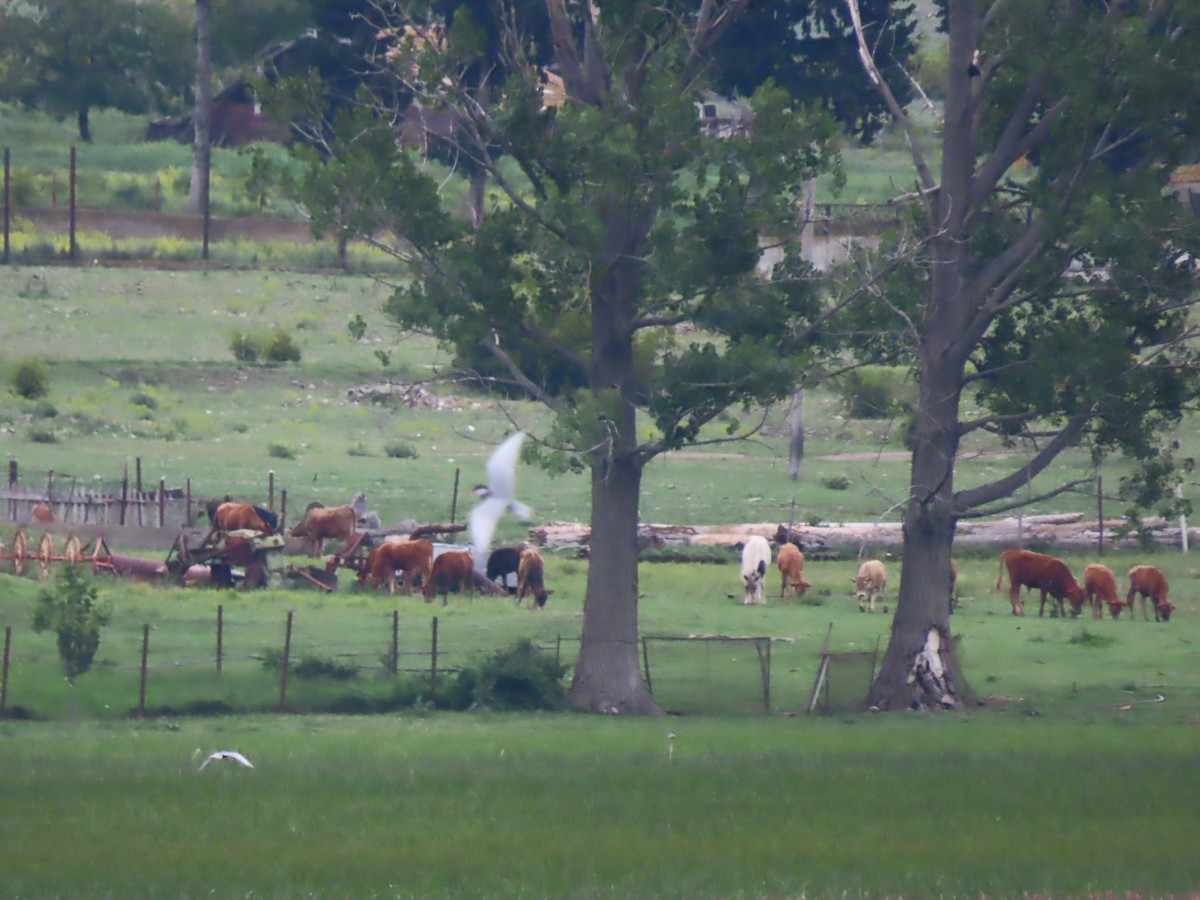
column 1068, row 531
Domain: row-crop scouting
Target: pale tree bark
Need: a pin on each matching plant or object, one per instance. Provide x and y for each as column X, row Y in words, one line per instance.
column 796, row 428
column 202, row 119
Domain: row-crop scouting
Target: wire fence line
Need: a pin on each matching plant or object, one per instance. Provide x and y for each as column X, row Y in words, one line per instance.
column 687, row 675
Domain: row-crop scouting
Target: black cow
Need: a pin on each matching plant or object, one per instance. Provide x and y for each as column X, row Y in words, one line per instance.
column 504, row 561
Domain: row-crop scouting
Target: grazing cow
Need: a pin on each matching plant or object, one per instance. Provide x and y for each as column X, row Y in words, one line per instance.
column 1100, row 585
column 268, row 518
column 531, row 575
column 43, row 513
column 501, row 563
column 413, row 558
column 233, row 516
column 791, row 567
column 1149, row 582
column 1049, row 574
column 756, row 556
column 319, row 524
column 869, row 583
column 454, row 571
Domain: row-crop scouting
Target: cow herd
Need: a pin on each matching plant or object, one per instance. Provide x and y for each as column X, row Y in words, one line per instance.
column 1026, row 569
column 1050, row 576
column 397, row 562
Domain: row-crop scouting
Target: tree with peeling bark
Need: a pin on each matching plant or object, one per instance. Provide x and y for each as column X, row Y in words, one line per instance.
column 616, row 223
column 1043, row 292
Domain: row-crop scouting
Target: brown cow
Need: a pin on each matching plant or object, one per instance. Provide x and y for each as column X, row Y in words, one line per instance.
column 321, row 523
column 454, row 571
column 1149, row 582
column 234, row 516
column 531, row 575
column 1100, row 585
column 869, row 583
column 791, row 567
column 43, row 513
column 1049, row 574
column 413, row 558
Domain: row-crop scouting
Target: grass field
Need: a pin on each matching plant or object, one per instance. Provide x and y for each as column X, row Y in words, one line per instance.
column 1072, row 779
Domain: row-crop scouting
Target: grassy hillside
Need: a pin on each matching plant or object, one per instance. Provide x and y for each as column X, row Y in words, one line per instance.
column 140, row 365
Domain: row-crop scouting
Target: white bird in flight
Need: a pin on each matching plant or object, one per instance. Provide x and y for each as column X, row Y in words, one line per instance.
column 227, row 754
column 499, row 495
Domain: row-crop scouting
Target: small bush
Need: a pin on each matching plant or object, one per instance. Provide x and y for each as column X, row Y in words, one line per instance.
column 400, row 450
column 239, row 427
column 28, row 379
column 281, row 349
column 43, row 409
column 244, row 347
column 312, row 667
column 520, row 677
column 280, row 451
column 42, row 436
column 875, row 392
column 359, row 450
column 141, row 398
column 1087, row 638
column 836, row 482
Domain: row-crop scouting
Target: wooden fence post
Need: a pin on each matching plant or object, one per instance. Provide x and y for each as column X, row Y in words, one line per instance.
column 145, row 657
column 220, row 633
column 138, row 489
column 433, row 663
column 124, row 494
column 7, row 204
column 1100, row 515
column 395, row 658
column 12, row 483
column 454, row 497
column 282, row 510
column 287, row 652
column 162, row 501
column 4, row 675
column 74, row 247
column 188, row 520
column 271, row 489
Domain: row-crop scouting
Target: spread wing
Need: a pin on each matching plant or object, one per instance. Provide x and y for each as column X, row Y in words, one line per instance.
column 502, row 468
column 482, row 523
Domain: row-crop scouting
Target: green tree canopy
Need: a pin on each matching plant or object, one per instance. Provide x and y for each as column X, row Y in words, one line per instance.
column 1045, row 289
column 68, row 57
column 616, row 223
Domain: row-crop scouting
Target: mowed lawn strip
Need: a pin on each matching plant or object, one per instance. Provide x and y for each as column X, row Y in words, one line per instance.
column 574, row 806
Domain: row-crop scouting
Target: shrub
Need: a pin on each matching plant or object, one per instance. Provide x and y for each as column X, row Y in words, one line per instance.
column 141, row 398
column 281, row 349
column 43, row 409
column 520, row 677
column 280, row 451
column 836, row 482
column 875, row 392
column 75, row 614
column 358, row 450
column 1087, row 638
column 42, row 436
column 400, row 450
column 28, row 379
column 244, row 347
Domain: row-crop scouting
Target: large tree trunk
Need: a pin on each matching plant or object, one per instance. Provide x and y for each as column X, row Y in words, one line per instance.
column 608, row 676
column 924, row 601
column 202, row 140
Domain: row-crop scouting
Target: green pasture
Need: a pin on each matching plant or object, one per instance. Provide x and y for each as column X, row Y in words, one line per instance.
column 140, row 366
column 1081, row 669
column 572, row 806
